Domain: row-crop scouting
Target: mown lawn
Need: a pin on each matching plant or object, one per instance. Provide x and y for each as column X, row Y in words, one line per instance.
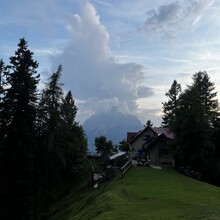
column 143, row 193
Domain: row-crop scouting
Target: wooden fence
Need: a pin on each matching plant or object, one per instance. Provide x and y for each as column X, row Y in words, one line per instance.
column 99, row 177
column 126, row 167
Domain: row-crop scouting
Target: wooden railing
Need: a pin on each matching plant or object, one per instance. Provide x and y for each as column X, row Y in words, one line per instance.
column 98, row 177
column 126, row 167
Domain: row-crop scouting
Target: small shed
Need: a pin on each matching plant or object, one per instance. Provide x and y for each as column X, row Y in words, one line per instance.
column 118, row 160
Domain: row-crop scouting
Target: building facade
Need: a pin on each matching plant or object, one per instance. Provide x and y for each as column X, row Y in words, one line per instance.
column 152, row 144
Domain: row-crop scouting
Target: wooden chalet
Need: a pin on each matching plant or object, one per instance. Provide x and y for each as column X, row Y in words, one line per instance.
column 152, row 144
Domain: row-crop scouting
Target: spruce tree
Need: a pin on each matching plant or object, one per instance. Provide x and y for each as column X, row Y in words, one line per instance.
column 195, row 126
column 48, row 121
column 206, row 88
column 74, row 142
column 68, row 110
column 170, row 106
column 19, row 113
column 51, row 100
column 148, row 124
column 2, row 143
column 3, row 72
column 64, row 139
column 192, row 132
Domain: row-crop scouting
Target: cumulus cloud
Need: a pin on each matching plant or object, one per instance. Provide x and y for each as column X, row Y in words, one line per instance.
column 94, row 76
column 176, row 16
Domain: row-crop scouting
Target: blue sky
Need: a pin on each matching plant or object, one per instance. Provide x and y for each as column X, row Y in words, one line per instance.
column 117, row 54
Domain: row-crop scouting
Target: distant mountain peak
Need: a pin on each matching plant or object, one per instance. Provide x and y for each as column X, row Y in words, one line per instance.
column 114, row 125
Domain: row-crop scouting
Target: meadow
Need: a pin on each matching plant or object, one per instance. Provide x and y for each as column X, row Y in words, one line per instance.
column 143, row 193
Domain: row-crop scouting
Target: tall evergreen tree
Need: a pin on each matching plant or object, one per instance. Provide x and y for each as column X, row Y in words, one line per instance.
column 206, row 88
column 2, row 142
column 68, row 109
column 195, row 118
column 19, row 112
column 64, row 140
column 170, row 106
column 51, row 100
column 3, row 72
column 71, row 138
column 48, row 121
column 192, row 131
column 216, row 140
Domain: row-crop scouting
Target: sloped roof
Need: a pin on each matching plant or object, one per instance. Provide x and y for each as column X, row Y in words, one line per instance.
column 150, row 143
column 131, row 135
column 157, row 130
column 166, row 131
column 117, row 155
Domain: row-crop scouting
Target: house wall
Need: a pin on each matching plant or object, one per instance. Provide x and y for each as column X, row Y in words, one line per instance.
column 155, row 152
column 137, row 145
column 154, row 155
column 157, row 158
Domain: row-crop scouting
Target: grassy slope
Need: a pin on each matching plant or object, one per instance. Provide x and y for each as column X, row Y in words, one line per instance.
column 144, row 193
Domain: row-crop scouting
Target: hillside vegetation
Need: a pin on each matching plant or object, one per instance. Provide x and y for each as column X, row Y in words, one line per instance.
column 143, row 193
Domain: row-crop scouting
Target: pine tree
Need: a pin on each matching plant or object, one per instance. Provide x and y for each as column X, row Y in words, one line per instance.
column 170, row 106
column 2, row 142
column 74, row 142
column 216, row 140
column 65, row 142
column 3, row 72
column 51, row 100
column 195, row 126
column 19, row 113
column 192, row 131
column 148, row 124
column 206, row 88
column 68, row 109
column 47, row 123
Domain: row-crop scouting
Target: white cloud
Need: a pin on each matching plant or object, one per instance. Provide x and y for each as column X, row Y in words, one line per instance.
column 46, row 51
column 92, row 73
column 100, row 54
column 178, row 16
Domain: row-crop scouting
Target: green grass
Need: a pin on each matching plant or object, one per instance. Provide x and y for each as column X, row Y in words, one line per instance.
column 143, row 193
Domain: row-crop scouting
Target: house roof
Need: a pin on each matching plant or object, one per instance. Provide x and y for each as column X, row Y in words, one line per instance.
column 117, row 155
column 131, row 135
column 166, row 131
column 150, row 143
column 157, row 130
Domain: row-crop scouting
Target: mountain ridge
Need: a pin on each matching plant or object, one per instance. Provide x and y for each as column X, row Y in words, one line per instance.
column 113, row 125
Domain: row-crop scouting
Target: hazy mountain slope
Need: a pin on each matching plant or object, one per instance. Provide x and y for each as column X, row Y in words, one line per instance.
column 113, row 125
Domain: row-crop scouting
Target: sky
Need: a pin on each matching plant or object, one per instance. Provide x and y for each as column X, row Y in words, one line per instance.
column 120, row 55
